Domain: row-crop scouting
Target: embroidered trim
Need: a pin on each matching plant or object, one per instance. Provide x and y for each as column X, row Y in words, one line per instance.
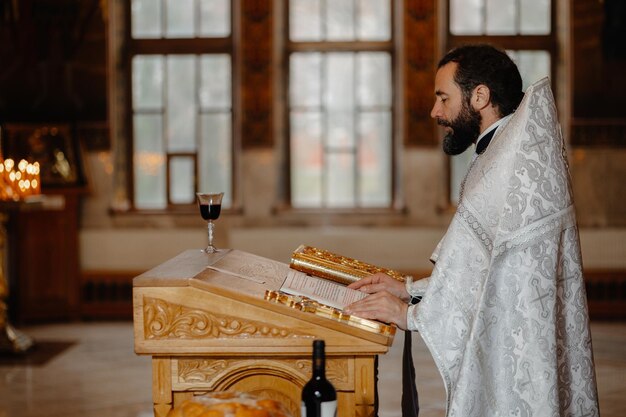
column 526, row 236
column 476, row 227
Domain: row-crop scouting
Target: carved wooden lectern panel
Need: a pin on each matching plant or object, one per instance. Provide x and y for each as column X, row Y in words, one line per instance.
column 208, row 331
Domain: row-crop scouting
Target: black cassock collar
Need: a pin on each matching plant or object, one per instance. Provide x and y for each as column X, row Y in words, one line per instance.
column 484, row 141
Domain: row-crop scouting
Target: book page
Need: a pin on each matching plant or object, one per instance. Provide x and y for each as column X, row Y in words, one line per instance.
column 252, row 267
column 321, row 290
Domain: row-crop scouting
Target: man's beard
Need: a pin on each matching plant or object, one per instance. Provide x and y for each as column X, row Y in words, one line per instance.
column 465, row 130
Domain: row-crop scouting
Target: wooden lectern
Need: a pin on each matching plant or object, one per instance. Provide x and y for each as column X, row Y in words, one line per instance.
column 209, row 325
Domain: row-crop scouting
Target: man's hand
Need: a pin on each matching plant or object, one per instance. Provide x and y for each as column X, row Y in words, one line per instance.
column 382, row 306
column 381, row 282
column 387, row 301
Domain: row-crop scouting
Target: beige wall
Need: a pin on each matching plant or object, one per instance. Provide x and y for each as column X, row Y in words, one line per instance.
column 402, row 240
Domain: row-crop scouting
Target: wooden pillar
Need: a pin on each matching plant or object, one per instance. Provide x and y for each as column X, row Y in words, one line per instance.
column 418, row 64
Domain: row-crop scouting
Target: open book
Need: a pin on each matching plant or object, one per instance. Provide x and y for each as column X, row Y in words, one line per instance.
column 323, row 276
column 314, row 281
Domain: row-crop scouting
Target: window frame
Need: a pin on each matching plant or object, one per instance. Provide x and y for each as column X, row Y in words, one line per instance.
column 508, row 42
column 180, row 46
column 548, row 43
column 391, row 47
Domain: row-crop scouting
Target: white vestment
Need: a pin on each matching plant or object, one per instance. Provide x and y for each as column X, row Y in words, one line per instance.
column 505, row 312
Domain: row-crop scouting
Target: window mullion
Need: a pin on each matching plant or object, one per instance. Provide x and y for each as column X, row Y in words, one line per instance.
column 164, row 122
column 355, row 20
column 529, row 42
column 323, row 15
column 181, row 46
column 518, row 17
column 163, row 18
column 484, row 16
column 324, row 129
column 341, row 46
column 356, row 148
column 198, row 121
column 196, row 20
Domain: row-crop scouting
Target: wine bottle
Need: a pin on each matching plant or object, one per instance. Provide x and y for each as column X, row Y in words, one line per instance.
column 319, row 398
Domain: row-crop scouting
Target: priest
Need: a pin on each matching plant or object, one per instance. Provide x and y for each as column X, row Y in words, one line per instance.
column 504, row 312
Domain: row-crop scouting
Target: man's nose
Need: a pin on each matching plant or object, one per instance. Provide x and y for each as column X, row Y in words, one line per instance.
column 436, row 110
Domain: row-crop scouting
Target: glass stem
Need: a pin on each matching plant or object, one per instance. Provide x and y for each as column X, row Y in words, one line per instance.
column 210, row 231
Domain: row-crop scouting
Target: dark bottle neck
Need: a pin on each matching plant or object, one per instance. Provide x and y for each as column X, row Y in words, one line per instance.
column 319, row 359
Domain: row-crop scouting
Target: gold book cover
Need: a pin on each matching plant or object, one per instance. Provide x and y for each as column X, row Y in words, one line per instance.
column 341, row 269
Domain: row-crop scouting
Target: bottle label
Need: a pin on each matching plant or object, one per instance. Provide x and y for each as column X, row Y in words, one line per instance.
column 328, row 408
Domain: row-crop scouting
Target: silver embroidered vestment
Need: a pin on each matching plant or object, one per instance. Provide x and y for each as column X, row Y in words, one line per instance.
column 505, row 312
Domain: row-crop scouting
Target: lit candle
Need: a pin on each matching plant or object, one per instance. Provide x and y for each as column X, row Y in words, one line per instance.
column 18, row 182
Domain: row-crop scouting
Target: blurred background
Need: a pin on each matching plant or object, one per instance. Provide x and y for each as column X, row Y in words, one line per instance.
column 312, row 116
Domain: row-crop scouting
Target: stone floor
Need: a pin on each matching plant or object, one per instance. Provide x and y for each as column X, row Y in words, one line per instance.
column 100, row 376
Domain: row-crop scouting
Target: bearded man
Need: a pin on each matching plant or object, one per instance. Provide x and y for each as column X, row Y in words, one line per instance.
column 504, row 312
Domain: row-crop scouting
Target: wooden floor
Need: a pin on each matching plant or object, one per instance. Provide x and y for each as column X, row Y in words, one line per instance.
column 100, row 376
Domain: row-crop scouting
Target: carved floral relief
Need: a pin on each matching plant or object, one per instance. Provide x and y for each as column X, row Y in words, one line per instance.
column 164, row 320
column 209, row 371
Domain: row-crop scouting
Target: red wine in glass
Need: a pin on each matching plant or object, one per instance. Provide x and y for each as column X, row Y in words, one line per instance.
column 210, row 211
column 210, row 205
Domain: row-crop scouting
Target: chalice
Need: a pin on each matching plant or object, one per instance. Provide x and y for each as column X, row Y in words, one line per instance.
column 210, row 205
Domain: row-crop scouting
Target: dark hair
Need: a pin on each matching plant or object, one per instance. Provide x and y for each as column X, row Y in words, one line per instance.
column 487, row 65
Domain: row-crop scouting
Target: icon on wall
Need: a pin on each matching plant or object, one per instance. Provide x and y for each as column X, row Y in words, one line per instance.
column 53, row 146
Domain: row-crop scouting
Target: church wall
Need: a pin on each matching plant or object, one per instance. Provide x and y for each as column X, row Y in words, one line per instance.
column 598, row 180
column 138, row 242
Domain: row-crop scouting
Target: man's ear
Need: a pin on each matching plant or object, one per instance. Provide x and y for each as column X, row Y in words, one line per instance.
column 481, row 97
